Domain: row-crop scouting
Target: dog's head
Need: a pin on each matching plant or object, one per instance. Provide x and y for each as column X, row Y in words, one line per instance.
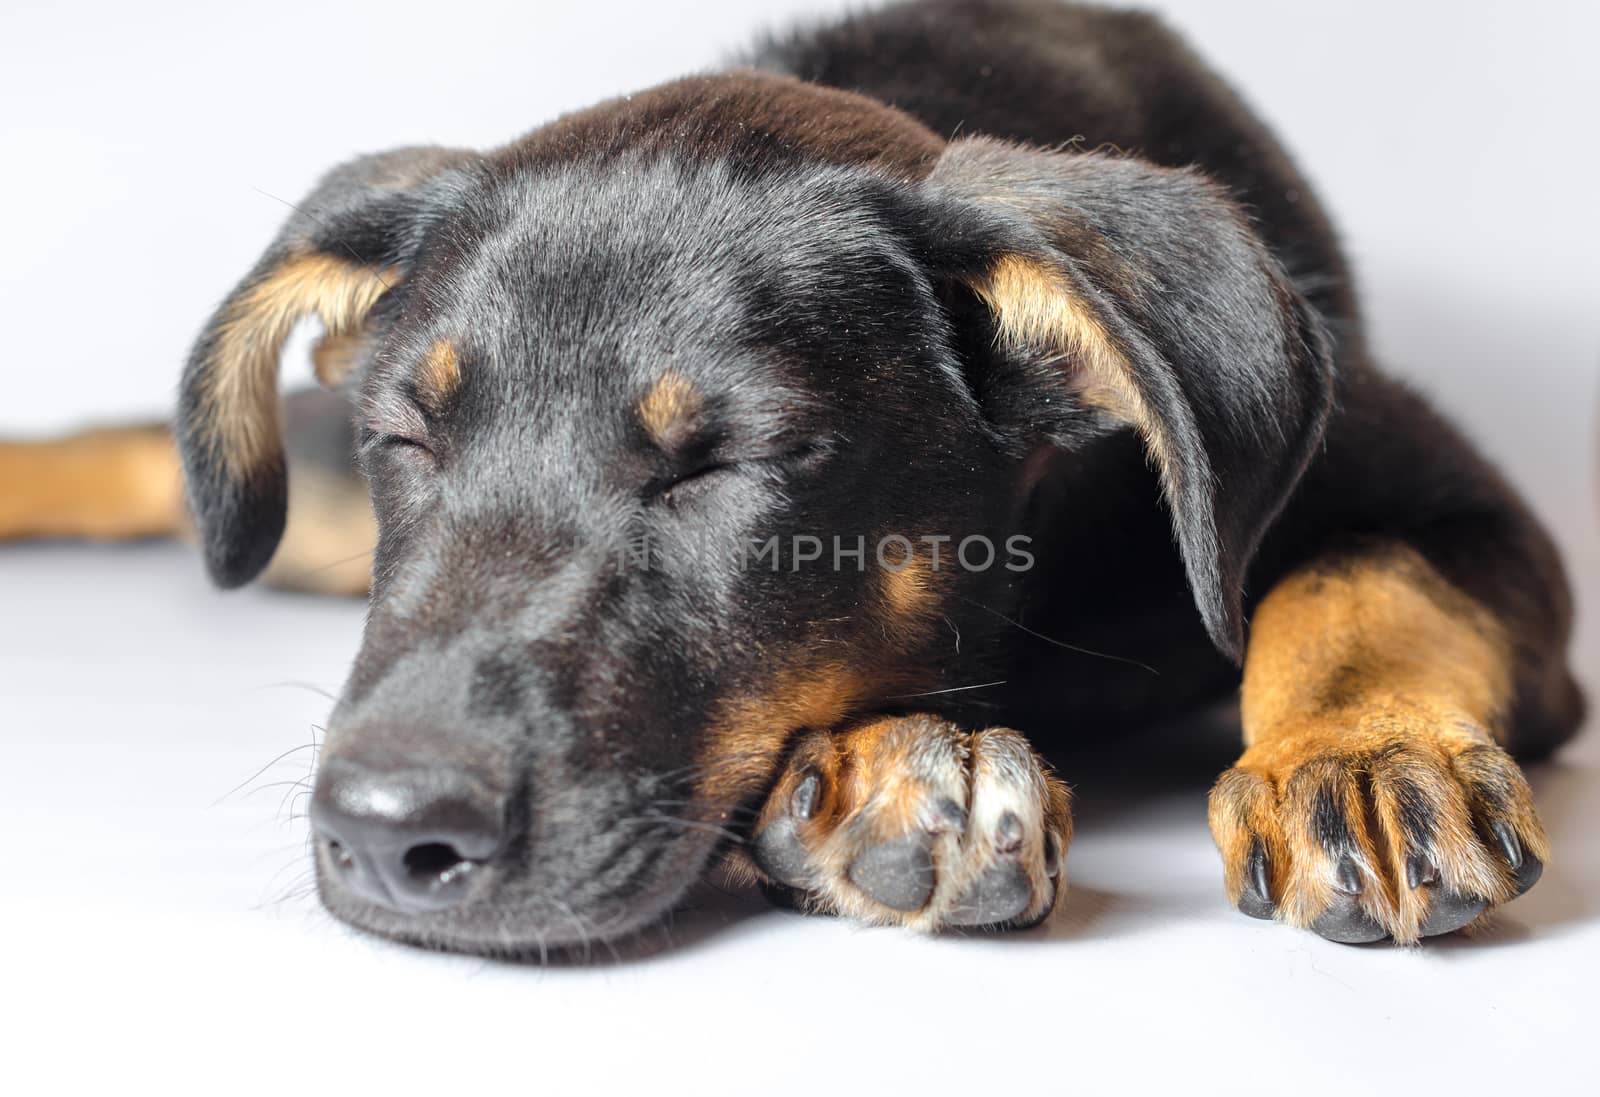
column 700, row 419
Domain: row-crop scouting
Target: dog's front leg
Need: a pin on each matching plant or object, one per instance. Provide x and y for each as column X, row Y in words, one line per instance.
column 913, row 821
column 1374, row 798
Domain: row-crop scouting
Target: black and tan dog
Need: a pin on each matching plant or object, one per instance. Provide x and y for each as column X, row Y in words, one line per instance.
column 743, row 451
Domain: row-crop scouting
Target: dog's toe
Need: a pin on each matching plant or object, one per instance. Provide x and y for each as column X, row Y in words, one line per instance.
column 998, row 896
column 1413, row 830
column 1449, row 911
column 1344, row 921
column 915, row 822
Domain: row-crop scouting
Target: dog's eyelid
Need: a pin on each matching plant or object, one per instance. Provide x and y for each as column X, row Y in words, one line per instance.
column 390, row 418
column 715, row 462
column 387, row 434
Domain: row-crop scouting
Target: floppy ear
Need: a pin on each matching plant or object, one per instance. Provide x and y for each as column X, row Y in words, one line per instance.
column 347, row 243
column 1144, row 291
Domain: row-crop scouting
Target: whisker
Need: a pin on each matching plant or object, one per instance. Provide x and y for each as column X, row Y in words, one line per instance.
column 685, row 824
column 292, row 750
column 937, row 692
column 1061, row 643
column 338, row 563
column 293, row 684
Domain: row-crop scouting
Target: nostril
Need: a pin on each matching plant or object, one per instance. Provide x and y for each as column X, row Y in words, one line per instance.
column 414, row 840
column 434, row 861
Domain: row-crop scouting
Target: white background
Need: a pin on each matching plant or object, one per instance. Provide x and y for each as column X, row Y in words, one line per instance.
column 154, row 924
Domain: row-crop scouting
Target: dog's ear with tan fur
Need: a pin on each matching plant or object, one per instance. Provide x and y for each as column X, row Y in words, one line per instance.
column 346, row 246
column 1123, row 292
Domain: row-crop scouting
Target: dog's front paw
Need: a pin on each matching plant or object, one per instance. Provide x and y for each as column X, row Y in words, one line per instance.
column 912, row 821
column 1396, row 824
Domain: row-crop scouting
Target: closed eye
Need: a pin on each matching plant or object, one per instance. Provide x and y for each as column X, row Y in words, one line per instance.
column 374, row 442
column 403, row 441
column 693, row 480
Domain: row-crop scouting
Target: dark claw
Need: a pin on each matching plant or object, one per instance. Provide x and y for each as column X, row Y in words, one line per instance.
column 1348, row 875
column 1450, row 912
column 999, row 895
column 1420, row 870
column 1256, row 897
column 778, row 849
column 1510, row 845
column 898, row 873
column 803, row 801
column 1345, row 922
column 1527, row 867
column 1052, row 856
column 1528, row 875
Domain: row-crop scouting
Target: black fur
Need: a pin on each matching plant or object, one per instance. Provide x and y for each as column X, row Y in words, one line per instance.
column 805, row 260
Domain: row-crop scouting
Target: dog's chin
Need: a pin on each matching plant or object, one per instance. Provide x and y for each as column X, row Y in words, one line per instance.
column 543, row 930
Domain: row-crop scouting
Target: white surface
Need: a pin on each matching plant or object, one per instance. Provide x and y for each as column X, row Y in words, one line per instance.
column 156, row 925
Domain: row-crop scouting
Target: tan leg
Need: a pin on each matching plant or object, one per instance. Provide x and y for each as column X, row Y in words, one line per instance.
column 120, row 482
column 328, row 537
column 1373, row 798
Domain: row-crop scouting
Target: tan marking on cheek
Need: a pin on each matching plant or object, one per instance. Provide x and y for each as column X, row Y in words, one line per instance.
column 668, row 410
column 747, row 742
column 1037, row 307
column 240, row 393
column 439, row 372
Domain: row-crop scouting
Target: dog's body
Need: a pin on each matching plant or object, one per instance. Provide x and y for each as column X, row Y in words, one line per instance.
column 844, row 291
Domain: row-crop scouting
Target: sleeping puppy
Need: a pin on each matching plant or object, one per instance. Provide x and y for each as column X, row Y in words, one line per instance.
column 752, row 454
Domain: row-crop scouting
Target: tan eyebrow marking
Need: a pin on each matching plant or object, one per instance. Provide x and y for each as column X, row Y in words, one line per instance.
column 668, row 409
column 439, row 372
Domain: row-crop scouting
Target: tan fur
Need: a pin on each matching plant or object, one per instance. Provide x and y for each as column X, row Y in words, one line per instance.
column 127, row 482
column 1384, row 628
column 747, row 740
column 334, row 358
column 240, row 405
column 668, row 410
column 911, row 596
column 888, row 777
column 328, row 538
column 439, row 373
column 1038, row 308
column 123, row 482
column 1372, row 678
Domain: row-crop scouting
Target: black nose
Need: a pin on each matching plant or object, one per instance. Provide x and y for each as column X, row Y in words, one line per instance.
column 408, row 839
